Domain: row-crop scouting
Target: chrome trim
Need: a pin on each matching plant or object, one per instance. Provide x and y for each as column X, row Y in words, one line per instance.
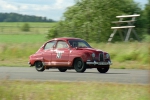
column 100, row 56
column 43, row 63
column 99, row 63
column 103, row 56
column 88, row 60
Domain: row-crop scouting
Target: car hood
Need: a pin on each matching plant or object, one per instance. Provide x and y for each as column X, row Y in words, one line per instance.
column 90, row 49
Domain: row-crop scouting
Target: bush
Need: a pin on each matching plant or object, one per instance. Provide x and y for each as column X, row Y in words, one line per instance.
column 146, row 38
column 25, row 27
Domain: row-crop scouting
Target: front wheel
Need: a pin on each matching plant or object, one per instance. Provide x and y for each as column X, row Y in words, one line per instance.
column 62, row 69
column 103, row 69
column 39, row 66
column 79, row 65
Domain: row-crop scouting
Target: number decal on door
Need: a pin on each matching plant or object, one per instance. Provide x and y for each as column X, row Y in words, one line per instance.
column 59, row 53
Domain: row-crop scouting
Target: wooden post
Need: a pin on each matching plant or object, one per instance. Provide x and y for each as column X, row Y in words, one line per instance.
column 129, row 26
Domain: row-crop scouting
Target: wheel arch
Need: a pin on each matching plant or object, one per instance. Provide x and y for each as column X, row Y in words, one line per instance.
column 75, row 59
column 37, row 61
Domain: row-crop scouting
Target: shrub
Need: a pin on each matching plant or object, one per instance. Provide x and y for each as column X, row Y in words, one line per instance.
column 146, row 38
column 25, row 27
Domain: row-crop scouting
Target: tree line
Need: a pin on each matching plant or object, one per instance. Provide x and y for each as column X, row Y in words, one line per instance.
column 14, row 17
column 91, row 19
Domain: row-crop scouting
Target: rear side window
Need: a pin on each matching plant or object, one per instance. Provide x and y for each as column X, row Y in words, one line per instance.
column 62, row 44
column 49, row 45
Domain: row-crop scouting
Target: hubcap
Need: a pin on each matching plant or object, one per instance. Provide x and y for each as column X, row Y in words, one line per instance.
column 39, row 65
column 102, row 68
column 79, row 64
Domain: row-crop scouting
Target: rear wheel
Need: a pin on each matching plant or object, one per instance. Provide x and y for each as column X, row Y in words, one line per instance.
column 103, row 69
column 39, row 66
column 79, row 65
column 62, row 69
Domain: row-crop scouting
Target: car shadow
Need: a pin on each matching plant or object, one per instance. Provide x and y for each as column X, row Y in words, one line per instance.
column 114, row 73
column 87, row 72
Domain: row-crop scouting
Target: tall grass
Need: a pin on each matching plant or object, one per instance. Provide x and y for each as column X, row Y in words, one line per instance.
column 128, row 55
column 16, row 49
column 17, row 54
column 34, row 90
column 123, row 55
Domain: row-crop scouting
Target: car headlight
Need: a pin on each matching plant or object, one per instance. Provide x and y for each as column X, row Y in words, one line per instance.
column 107, row 56
column 93, row 55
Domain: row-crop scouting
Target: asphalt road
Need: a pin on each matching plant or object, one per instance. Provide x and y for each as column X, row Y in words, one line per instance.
column 113, row 75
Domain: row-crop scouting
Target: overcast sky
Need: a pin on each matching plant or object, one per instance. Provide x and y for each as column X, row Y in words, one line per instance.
column 52, row 9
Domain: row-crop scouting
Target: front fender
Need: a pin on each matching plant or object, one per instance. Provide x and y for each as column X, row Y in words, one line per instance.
column 83, row 56
column 34, row 58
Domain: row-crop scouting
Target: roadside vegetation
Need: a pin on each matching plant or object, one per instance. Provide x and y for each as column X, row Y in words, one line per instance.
column 17, row 46
column 38, row 90
column 91, row 20
column 16, row 49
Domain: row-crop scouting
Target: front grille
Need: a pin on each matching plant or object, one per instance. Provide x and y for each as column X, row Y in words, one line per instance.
column 101, row 57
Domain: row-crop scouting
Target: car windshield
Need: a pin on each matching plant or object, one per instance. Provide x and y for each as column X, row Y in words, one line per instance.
column 79, row 44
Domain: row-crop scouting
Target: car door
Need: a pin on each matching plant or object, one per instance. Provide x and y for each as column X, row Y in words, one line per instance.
column 47, row 52
column 60, row 55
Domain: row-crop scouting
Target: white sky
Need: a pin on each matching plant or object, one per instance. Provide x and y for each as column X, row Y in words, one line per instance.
column 52, row 9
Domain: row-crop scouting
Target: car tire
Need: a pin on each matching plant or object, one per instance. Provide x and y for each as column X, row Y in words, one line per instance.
column 103, row 69
column 39, row 66
column 79, row 65
column 62, row 69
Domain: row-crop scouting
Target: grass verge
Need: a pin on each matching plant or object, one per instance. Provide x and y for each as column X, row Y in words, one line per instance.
column 35, row 90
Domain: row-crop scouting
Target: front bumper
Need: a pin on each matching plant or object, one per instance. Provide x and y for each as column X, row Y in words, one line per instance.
column 99, row 63
column 29, row 64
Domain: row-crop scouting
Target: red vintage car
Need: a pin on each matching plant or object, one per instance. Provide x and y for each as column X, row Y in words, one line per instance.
column 69, row 53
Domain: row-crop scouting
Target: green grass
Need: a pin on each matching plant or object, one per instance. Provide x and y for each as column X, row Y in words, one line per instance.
column 16, row 49
column 17, row 54
column 36, row 90
column 32, row 24
column 22, row 38
column 15, row 27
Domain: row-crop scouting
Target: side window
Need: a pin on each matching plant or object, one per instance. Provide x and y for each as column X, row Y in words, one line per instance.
column 73, row 44
column 81, row 44
column 49, row 45
column 61, row 44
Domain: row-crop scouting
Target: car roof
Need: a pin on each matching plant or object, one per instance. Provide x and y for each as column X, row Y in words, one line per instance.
column 66, row 38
